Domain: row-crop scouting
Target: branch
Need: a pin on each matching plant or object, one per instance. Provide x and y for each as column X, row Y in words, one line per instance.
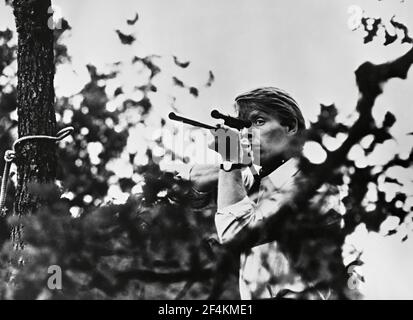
column 370, row 79
column 165, row 277
column 112, row 285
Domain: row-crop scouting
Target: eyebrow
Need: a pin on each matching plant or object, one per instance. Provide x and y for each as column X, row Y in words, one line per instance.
column 256, row 113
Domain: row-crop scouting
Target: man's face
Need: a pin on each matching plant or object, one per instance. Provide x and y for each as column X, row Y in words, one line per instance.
column 269, row 137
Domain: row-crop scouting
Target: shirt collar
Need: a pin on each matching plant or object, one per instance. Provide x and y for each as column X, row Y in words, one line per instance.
column 283, row 173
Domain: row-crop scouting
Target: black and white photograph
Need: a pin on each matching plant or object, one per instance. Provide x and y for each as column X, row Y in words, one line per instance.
column 193, row 150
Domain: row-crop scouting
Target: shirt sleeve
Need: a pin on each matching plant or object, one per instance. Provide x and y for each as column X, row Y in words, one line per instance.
column 232, row 219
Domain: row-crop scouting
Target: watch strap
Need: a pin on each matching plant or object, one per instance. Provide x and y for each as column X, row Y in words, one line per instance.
column 234, row 166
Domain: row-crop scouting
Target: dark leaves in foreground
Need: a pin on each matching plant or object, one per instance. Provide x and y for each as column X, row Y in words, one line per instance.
column 7, row 53
column 61, row 54
column 178, row 82
column 125, row 38
column 114, row 248
column 402, row 27
column 194, row 91
column 181, row 64
column 211, row 79
column 133, row 21
column 6, row 35
column 148, row 62
column 95, row 76
column 372, row 25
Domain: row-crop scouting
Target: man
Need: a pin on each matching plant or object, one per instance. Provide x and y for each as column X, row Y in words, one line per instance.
column 265, row 272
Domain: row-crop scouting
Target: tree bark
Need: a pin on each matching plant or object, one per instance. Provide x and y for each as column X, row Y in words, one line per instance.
column 35, row 159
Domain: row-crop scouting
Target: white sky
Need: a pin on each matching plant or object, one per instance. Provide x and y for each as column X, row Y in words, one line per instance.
column 302, row 46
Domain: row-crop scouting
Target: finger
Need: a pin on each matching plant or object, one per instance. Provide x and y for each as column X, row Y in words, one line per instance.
column 244, row 139
column 244, row 133
column 245, row 143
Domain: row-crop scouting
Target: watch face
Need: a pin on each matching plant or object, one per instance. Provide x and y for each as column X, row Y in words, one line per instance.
column 227, row 165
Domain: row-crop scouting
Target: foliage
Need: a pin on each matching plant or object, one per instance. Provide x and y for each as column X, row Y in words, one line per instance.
column 116, row 251
column 151, row 246
column 156, row 244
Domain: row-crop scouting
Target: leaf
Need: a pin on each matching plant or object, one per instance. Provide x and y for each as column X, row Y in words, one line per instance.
column 389, row 38
column 392, row 180
column 129, row 103
column 356, row 262
column 326, row 123
column 126, row 184
column 6, row 35
column 181, row 64
column 8, row 102
column 402, row 27
column 147, row 87
column 118, row 91
column 382, row 135
column 400, row 197
column 124, row 38
column 134, row 20
column 389, row 120
column 194, row 91
column 64, row 26
column 178, row 82
column 210, row 79
column 95, row 76
column 371, row 29
column 391, row 232
column 147, row 61
column 145, row 103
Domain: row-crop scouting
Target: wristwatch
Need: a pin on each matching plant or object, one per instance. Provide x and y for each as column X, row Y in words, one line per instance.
column 229, row 166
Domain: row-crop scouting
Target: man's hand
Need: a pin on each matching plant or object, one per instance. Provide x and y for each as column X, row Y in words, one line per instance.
column 231, row 144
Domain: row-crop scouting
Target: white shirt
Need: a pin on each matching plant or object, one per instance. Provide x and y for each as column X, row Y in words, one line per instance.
column 264, row 269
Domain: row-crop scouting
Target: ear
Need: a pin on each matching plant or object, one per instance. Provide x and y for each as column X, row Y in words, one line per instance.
column 292, row 129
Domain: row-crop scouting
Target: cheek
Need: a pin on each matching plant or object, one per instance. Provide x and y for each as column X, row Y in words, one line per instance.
column 275, row 134
column 267, row 139
column 273, row 142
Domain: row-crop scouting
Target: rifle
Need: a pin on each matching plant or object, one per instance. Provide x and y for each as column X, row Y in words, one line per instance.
column 228, row 121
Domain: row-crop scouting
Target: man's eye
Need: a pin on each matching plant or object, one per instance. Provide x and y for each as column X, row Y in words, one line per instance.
column 259, row 122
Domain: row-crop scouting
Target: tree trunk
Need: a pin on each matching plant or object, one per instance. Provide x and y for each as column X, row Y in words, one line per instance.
column 35, row 159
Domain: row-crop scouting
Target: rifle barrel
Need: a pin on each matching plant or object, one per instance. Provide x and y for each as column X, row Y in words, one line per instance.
column 174, row 116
